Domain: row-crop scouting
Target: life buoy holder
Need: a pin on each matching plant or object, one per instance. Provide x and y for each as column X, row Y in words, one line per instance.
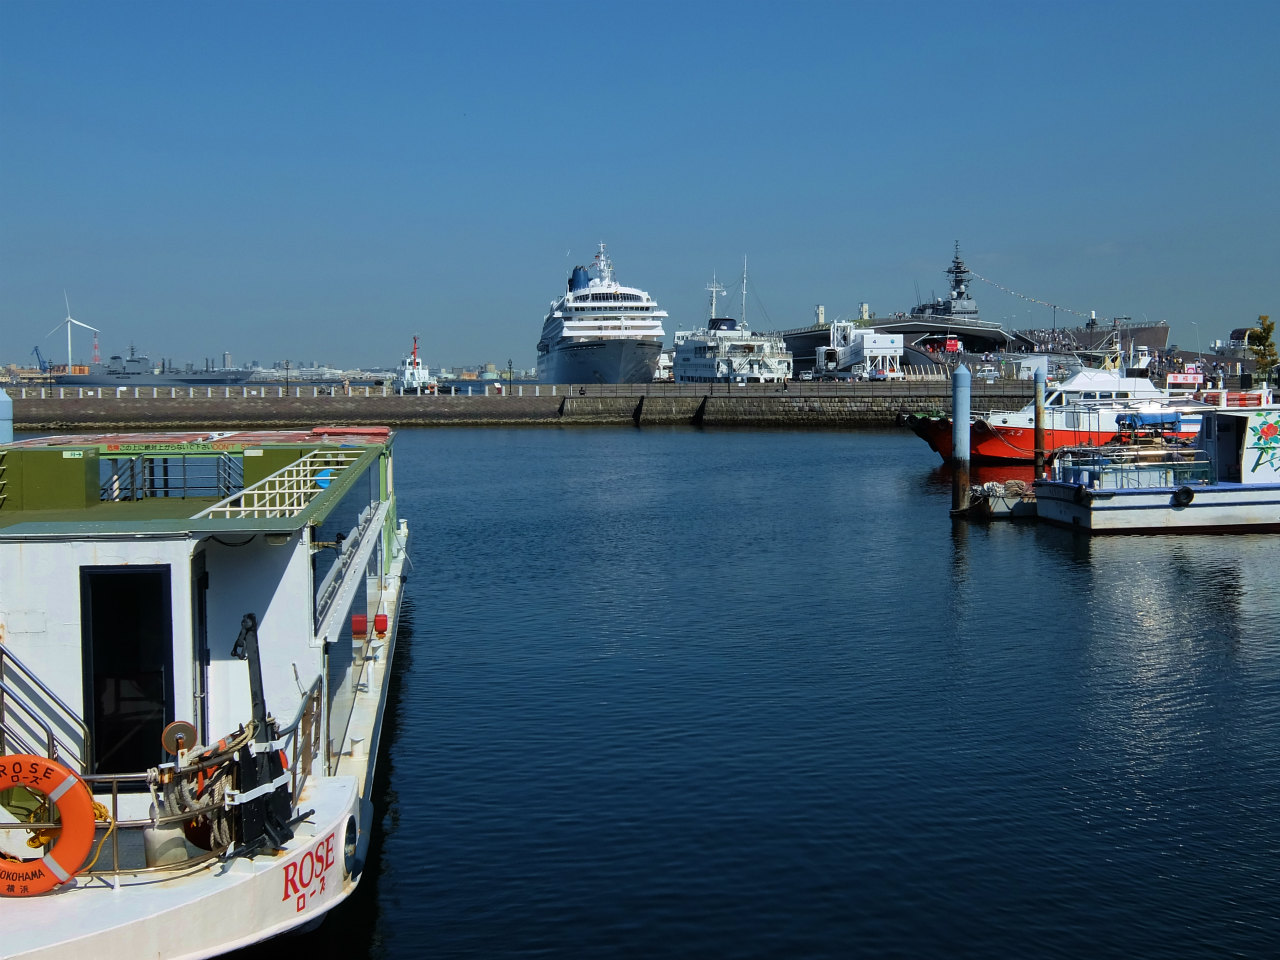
column 1183, row 496
column 66, row 793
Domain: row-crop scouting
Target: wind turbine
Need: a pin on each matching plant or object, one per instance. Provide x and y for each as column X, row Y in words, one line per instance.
column 67, row 323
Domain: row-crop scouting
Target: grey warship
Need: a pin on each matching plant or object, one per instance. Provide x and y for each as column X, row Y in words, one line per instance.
column 137, row 370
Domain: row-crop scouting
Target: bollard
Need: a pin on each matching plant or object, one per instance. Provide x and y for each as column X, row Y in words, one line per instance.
column 6, row 417
column 1039, row 437
column 961, row 392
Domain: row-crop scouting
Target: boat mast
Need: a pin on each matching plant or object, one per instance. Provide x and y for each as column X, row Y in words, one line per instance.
column 604, row 266
column 744, row 291
column 714, row 288
column 959, row 274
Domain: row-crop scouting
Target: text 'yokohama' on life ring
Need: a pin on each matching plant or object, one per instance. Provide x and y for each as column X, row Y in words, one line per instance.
column 67, row 794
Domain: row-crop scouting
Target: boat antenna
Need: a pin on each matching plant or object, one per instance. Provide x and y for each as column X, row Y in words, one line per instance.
column 714, row 289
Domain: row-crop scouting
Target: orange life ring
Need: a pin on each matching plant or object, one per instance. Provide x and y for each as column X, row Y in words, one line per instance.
column 69, row 795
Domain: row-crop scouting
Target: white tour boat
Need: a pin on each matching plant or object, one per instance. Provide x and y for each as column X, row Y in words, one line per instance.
column 1227, row 480
column 197, row 632
column 600, row 331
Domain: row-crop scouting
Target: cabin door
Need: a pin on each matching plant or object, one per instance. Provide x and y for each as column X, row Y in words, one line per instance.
column 127, row 636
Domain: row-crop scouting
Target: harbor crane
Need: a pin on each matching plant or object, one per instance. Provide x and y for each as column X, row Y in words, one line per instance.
column 41, row 363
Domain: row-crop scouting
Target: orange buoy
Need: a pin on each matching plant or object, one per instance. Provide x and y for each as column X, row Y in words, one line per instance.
column 68, row 794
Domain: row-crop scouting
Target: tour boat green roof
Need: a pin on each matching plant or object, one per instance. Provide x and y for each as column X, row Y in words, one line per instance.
column 176, row 484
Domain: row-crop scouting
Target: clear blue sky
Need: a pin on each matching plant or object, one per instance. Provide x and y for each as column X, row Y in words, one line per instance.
column 323, row 180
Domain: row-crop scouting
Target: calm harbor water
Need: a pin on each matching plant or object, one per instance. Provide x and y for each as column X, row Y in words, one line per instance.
column 670, row 693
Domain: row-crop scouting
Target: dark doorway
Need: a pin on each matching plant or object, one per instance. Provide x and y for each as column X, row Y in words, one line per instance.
column 128, row 665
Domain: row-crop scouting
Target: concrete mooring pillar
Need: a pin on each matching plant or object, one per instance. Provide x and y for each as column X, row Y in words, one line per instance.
column 6, row 417
column 961, row 394
column 1039, row 381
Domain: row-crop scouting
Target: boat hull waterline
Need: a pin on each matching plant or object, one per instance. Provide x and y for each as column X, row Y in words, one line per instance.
column 600, row 361
column 989, row 443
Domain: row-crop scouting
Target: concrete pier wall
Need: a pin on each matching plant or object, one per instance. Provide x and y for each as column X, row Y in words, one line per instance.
column 800, row 405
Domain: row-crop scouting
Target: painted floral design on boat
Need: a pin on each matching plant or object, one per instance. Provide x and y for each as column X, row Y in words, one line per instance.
column 1266, row 440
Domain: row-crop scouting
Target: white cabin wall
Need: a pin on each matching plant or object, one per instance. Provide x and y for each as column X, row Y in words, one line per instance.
column 274, row 584
column 41, row 619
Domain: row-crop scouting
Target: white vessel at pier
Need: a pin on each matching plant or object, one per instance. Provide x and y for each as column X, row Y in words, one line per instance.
column 726, row 351
column 199, row 632
column 415, row 376
column 600, row 331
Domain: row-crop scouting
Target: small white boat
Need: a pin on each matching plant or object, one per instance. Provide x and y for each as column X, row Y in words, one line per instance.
column 197, row 632
column 415, row 376
column 1227, row 480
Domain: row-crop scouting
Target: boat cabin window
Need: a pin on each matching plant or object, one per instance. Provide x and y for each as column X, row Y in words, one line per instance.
column 349, row 518
column 127, row 650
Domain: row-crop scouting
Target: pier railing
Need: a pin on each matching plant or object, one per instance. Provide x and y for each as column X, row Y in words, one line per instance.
column 911, row 382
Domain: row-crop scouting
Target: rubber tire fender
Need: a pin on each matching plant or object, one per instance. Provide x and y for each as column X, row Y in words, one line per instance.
column 1183, row 496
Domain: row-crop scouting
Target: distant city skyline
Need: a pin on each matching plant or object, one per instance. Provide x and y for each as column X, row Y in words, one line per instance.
column 330, row 179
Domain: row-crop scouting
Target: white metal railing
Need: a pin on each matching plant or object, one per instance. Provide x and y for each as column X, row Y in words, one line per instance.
column 27, row 706
column 1127, row 468
column 286, row 492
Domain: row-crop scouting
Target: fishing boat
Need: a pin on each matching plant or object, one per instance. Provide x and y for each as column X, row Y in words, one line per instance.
column 197, row 632
column 1227, row 481
column 414, row 375
column 1087, row 408
column 600, row 331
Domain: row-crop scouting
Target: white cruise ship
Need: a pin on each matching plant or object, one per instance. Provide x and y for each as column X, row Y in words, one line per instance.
column 599, row 331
